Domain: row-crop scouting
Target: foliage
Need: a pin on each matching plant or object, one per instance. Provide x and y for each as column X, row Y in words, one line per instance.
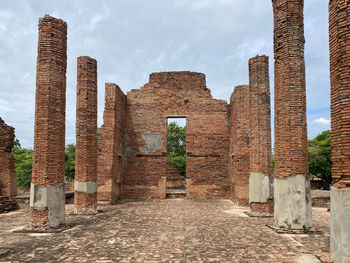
column 179, row 162
column 23, row 167
column 319, row 150
column 70, row 161
column 176, row 143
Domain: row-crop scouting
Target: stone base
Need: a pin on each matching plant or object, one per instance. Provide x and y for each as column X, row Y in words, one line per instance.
column 292, row 197
column 260, row 188
column 47, row 205
column 340, row 225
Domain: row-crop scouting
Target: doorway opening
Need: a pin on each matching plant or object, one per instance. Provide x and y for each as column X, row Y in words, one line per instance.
column 176, row 161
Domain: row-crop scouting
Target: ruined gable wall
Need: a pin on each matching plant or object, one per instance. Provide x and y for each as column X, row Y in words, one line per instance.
column 176, row 94
column 8, row 181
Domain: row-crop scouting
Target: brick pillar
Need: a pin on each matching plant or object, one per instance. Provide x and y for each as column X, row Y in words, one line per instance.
column 260, row 180
column 111, row 146
column 292, row 194
column 85, row 185
column 239, row 144
column 47, row 187
column 8, row 180
column 339, row 46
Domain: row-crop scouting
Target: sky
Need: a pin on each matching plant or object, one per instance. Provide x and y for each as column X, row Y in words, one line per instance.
column 132, row 38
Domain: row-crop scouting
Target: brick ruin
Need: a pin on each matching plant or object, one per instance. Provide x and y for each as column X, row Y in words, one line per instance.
column 8, row 180
column 260, row 180
column 85, row 181
column 47, row 187
column 132, row 158
column 175, row 94
column 239, row 144
column 292, row 195
column 111, row 146
column 339, row 47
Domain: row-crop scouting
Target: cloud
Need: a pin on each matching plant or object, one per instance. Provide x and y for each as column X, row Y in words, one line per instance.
column 131, row 39
column 322, row 121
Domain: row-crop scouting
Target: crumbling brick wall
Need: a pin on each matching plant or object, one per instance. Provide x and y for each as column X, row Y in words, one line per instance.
column 8, row 180
column 260, row 135
column 111, row 145
column 181, row 94
column 239, row 144
column 85, row 196
column 340, row 92
column 49, row 130
column 291, row 156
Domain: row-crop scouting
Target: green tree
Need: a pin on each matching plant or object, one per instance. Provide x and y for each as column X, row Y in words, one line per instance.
column 23, row 166
column 176, row 144
column 70, row 161
column 319, row 150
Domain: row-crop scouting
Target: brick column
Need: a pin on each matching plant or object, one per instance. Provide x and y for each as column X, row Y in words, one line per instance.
column 8, row 180
column 339, row 47
column 111, row 146
column 239, row 144
column 85, row 195
column 47, row 187
column 292, row 194
column 260, row 180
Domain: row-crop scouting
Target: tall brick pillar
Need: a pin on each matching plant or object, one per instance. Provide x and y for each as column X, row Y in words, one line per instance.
column 47, row 187
column 239, row 144
column 111, row 146
column 8, row 180
column 85, row 185
column 260, row 180
column 339, row 47
column 292, row 196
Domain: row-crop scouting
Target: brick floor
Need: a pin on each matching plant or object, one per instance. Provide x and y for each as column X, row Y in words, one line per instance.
column 171, row 230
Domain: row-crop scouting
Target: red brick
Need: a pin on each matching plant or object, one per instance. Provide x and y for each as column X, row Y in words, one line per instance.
column 86, row 132
column 339, row 46
column 291, row 156
column 50, row 104
column 8, row 180
column 239, row 144
column 111, row 145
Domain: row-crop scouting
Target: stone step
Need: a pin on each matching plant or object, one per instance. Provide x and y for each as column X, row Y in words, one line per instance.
column 175, row 193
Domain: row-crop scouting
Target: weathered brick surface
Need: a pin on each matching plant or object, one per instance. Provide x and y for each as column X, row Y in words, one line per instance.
column 166, row 95
column 85, row 203
column 260, row 121
column 86, row 131
column 239, row 144
column 260, row 116
column 50, row 103
column 339, row 44
column 262, row 208
column 8, row 181
column 111, row 145
column 290, row 96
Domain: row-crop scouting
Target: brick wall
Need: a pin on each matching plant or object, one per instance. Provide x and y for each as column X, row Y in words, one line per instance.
column 86, row 133
column 239, row 144
column 340, row 92
column 50, row 103
column 8, row 180
column 291, row 156
column 111, row 145
column 182, row 94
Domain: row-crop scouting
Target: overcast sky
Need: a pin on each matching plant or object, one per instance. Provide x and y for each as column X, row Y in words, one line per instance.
column 132, row 38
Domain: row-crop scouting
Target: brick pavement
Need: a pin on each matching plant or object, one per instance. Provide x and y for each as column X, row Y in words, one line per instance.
column 170, row 230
